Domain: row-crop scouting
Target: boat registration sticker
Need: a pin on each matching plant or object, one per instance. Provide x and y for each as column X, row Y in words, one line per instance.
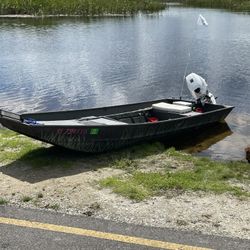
column 94, row 131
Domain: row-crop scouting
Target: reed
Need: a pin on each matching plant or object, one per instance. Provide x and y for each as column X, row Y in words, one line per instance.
column 78, row 7
column 237, row 5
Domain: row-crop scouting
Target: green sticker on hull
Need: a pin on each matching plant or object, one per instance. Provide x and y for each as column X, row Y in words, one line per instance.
column 94, row 131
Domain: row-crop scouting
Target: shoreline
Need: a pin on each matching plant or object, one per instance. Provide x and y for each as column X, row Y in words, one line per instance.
column 79, row 7
column 36, row 175
column 242, row 6
column 63, row 15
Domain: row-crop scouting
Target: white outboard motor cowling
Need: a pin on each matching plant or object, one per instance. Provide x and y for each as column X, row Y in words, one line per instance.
column 198, row 88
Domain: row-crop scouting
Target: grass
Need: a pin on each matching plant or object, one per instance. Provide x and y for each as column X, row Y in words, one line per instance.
column 205, row 175
column 169, row 169
column 237, row 5
column 53, row 206
column 3, row 201
column 127, row 159
column 16, row 147
column 79, row 7
column 39, row 195
column 127, row 187
column 26, row 198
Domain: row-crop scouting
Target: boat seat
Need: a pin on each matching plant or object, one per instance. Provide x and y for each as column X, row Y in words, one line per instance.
column 105, row 121
column 192, row 113
column 60, row 123
column 183, row 103
column 168, row 107
column 94, row 121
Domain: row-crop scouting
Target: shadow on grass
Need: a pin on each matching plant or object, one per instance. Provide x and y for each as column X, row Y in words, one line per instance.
column 43, row 163
column 53, row 162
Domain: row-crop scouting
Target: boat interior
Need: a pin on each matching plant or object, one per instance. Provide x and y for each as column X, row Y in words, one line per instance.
column 156, row 112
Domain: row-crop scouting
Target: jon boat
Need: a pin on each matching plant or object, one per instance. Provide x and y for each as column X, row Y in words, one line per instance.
column 109, row 128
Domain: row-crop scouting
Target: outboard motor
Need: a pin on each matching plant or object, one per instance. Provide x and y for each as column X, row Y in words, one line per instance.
column 198, row 88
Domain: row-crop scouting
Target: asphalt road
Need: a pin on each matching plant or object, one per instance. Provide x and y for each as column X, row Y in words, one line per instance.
column 39, row 229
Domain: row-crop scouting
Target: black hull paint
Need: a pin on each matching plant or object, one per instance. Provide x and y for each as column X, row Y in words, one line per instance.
column 108, row 138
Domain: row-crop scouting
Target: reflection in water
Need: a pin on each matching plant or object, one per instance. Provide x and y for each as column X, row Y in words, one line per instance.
column 221, row 141
column 72, row 63
column 204, row 138
column 199, row 140
column 233, row 146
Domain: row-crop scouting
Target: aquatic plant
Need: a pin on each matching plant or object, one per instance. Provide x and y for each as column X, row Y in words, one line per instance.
column 238, row 5
column 78, row 7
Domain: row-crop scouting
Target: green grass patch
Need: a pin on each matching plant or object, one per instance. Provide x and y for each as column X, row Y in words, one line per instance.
column 127, row 159
column 237, row 5
column 52, row 156
column 3, row 201
column 53, row 206
column 40, row 195
column 171, row 152
column 26, row 198
column 127, row 188
column 79, row 7
column 205, row 175
column 16, row 147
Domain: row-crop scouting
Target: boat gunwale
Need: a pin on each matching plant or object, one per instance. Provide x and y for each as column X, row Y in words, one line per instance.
column 96, row 109
column 128, row 124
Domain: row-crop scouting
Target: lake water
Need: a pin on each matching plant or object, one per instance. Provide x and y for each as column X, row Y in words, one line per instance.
column 73, row 63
